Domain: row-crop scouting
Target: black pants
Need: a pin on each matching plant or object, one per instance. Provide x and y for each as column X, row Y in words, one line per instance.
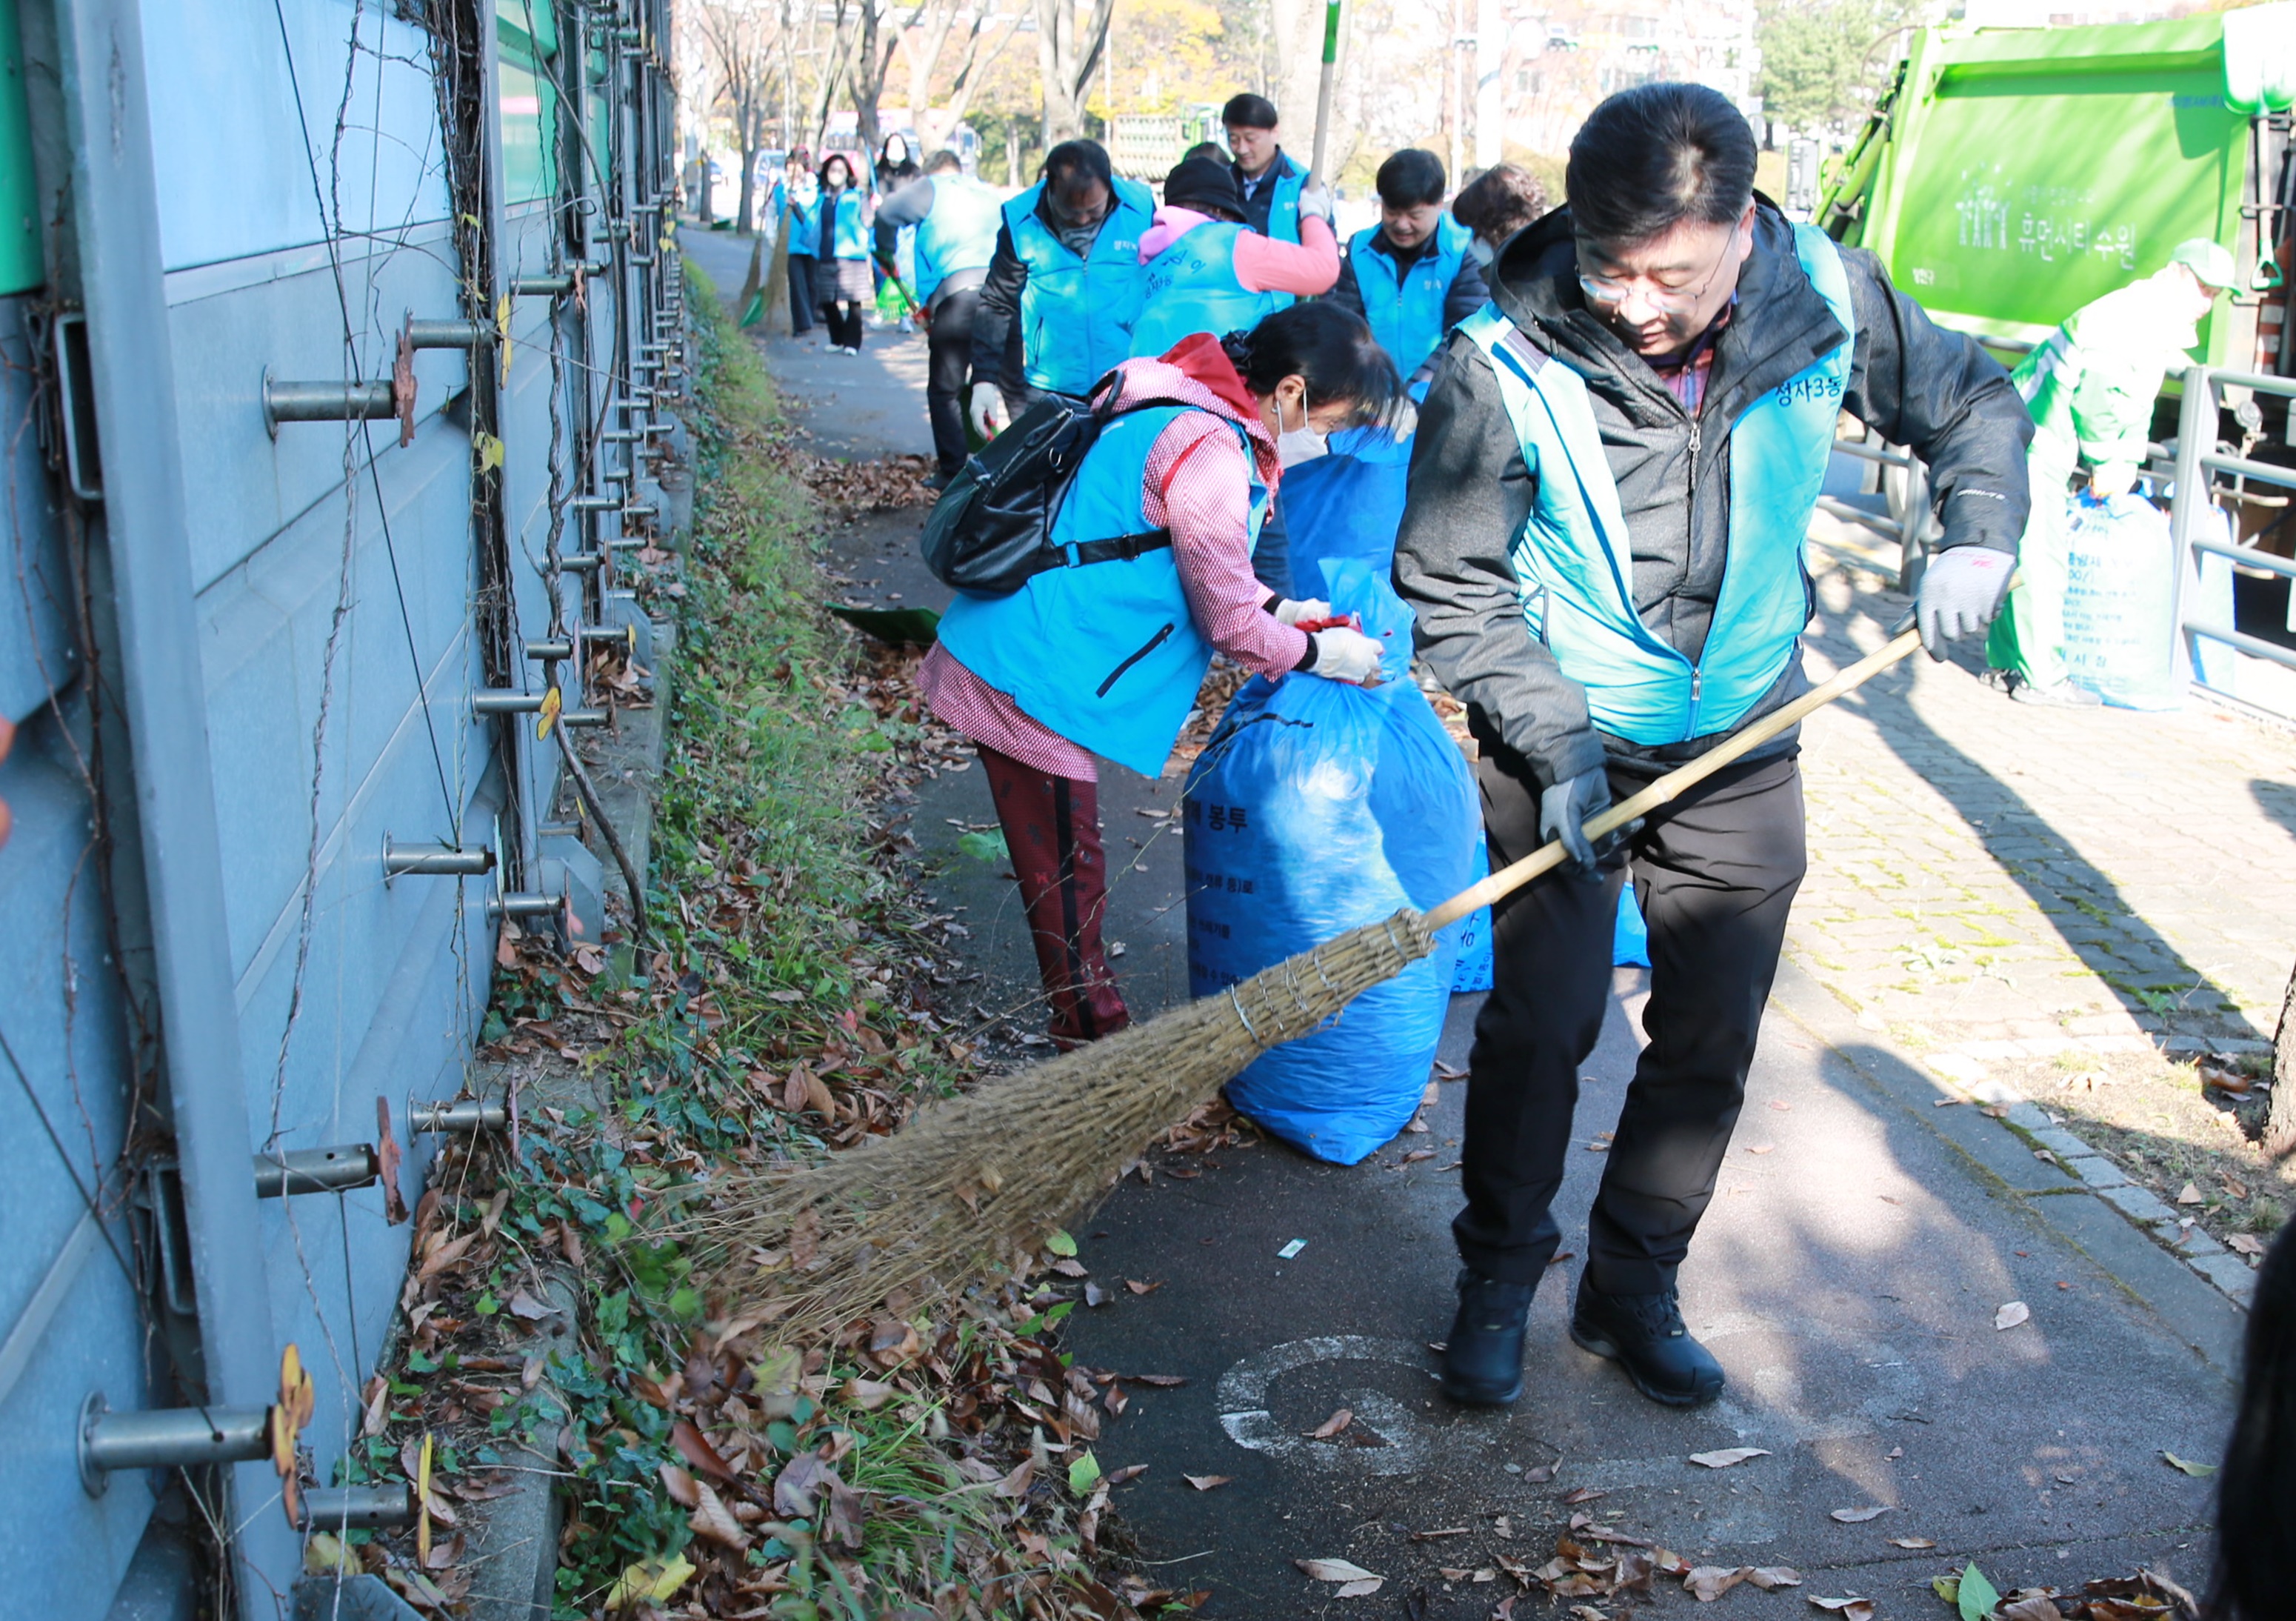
column 844, row 319
column 1715, row 873
column 802, row 300
column 948, row 351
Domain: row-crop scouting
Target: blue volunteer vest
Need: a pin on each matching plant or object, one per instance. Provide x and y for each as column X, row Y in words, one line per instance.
column 852, row 239
column 1408, row 319
column 959, row 233
column 1575, row 570
column 1191, row 288
column 804, row 228
column 1077, row 314
column 1106, row 655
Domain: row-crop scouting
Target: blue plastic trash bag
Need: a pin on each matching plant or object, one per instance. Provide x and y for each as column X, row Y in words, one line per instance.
column 2118, row 643
column 1630, row 940
column 1347, row 504
column 1317, row 807
column 1471, row 968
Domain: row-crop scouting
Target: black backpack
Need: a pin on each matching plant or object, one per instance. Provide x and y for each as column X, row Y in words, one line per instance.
column 989, row 533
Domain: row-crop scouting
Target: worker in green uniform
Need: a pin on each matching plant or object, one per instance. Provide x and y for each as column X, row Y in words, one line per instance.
column 2091, row 389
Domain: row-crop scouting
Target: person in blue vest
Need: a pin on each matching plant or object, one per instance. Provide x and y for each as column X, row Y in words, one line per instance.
column 797, row 205
column 842, row 266
column 1063, row 287
column 1275, row 190
column 1411, row 275
column 1101, row 655
column 1613, row 476
column 955, row 220
column 1209, row 271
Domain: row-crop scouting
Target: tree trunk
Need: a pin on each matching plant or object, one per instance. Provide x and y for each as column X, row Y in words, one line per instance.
column 746, row 221
column 2280, row 1116
column 1070, row 35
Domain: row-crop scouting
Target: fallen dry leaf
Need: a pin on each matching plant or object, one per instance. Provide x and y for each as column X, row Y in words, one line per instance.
column 1724, row 1457
column 1346, row 1572
column 1155, row 1382
column 1205, row 1482
column 1582, row 1494
column 2186, row 1466
column 1130, row 1471
column 1430, row 1536
column 1331, row 1425
column 1770, row 1577
column 2189, row 1195
column 710, row 1519
column 695, row 1449
column 2011, row 1314
column 1708, row 1582
column 1138, row 1288
column 683, row 1489
column 2245, row 1243
column 1858, row 1517
column 1849, row 1609
column 1910, row 1541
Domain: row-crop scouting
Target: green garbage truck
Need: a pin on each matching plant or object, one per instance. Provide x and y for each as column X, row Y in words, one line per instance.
column 2010, row 176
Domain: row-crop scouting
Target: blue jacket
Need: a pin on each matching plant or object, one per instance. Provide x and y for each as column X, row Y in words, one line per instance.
column 804, row 226
column 1192, row 288
column 1077, row 314
column 1572, row 561
column 1407, row 318
column 960, row 233
column 1106, row 655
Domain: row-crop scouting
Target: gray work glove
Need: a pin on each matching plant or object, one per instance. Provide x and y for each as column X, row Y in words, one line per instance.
column 1961, row 592
column 1564, row 807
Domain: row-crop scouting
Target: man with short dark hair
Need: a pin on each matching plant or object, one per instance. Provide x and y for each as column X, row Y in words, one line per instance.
column 1410, row 276
column 1063, row 287
column 956, row 220
column 1275, row 188
column 1613, row 473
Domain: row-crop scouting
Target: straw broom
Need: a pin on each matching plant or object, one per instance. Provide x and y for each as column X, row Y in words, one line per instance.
column 971, row 1186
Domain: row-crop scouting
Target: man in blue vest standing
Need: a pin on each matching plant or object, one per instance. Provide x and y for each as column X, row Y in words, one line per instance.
column 1411, row 276
column 956, row 220
column 1613, row 473
column 1063, row 287
column 1274, row 185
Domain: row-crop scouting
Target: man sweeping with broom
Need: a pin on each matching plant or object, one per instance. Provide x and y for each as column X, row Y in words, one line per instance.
column 1614, row 474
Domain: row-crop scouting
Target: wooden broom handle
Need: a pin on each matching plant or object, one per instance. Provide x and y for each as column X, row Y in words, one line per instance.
column 1548, row 857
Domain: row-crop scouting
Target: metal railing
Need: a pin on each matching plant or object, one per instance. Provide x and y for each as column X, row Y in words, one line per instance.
column 2196, row 472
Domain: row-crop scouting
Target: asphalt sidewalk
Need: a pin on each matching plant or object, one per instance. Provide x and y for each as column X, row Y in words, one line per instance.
column 1862, row 1242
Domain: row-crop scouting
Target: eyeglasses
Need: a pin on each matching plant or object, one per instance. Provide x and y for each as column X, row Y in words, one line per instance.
column 1671, row 300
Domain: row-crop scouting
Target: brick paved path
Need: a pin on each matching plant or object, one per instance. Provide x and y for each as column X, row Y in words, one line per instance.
column 1985, row 873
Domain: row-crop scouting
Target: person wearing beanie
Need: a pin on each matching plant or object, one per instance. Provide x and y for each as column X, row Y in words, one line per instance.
column 1209, row 271
column 1411, row 275
column 2091, row 389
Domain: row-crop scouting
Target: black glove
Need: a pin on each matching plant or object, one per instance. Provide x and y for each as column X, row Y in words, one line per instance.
column 1961, row 592
column 1564, row 807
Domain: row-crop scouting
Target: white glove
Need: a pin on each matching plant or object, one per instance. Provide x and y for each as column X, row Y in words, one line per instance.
column 1405, row 421
column 2112, row 479
column 1290, row 612
column 1316, row 200
column 1342, row 654
column 987, row 412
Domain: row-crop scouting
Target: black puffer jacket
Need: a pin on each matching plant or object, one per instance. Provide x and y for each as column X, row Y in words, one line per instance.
column 1917, row 383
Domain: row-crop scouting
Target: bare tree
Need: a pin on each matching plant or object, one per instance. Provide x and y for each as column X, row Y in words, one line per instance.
column 922, row 50
column 746, row 42
column 1070, row 35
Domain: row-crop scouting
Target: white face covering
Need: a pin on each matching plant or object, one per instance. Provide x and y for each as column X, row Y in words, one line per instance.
column 1483, row 252
column 1299, row 444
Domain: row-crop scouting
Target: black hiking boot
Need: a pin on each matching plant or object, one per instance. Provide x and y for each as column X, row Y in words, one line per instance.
column 1643, row 1333
column 1482, row 1361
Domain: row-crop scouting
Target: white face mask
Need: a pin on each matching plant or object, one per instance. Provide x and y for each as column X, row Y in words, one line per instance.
column 1483, row 252
column 1299, row 444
